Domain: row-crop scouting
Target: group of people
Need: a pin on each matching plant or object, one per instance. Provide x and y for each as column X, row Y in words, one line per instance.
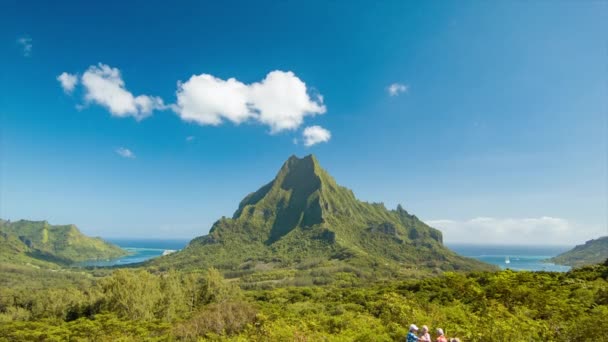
column 412, row 335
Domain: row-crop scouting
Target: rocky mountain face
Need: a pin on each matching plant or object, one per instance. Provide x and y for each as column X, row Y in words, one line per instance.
column 303, row 217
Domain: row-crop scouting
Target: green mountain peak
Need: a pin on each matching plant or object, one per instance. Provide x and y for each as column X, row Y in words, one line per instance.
column 302, row 214
column 292, row 199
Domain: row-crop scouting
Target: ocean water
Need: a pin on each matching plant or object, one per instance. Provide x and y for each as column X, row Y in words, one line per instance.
column 139, row 250
column 521, row 258
column 173, row 244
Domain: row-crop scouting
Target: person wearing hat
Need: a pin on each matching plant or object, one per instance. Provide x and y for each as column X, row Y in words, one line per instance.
column 425, row 336
column 440, row 336
column 411, row 336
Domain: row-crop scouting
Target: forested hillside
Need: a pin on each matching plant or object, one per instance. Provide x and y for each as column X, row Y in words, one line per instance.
column 42, row 244
column 592, row 252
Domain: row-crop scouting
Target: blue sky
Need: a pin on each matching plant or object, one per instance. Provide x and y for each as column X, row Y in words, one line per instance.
column 496, row 129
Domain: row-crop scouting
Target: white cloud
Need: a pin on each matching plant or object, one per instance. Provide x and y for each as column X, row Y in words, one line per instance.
column 208, row 100
column 190, row 138
column 68, row 81
column 280, row 101
column 315, row 134
column 26, row 44
column 104, row 86
column 125, row 153
column 517, row 231
column 397, row 88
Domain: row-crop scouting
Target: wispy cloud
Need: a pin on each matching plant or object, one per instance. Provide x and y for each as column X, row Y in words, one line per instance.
column 397, row 88
column 539, row 230
column 315, row 134
column 125, row 153
column 103, row 85
column 68, row 82
column 190, row 138
column 26, row 45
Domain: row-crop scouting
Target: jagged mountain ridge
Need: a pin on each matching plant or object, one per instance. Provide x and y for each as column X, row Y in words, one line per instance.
column 303, row 214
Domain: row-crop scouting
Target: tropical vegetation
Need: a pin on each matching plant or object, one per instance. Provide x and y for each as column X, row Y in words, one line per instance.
column 42, row 244
column 138, row 305
column 300, row 260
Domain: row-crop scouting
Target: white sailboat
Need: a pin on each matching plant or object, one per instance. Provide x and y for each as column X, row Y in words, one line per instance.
column 507, row 261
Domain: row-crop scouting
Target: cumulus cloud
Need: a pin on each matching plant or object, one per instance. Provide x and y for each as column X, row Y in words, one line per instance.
column 208, row 100
column 281, row 101
column 517, row 231
column 26, row 44
column 68, row 81
column 397, row 88
column 125, row 153
column 315, row 134
column 104, row 85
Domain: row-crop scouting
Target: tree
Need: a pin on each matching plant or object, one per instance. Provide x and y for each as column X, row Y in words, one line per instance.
column 216, row 289
column 133, row 295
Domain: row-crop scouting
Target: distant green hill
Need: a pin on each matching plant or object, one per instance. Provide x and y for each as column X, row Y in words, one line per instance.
column 303, row 219
column 39, row 243
column 592, row 252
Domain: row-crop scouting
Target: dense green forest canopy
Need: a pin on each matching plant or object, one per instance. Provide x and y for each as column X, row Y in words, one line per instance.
column 136, row 305
column 592, row 252
column 42, row 244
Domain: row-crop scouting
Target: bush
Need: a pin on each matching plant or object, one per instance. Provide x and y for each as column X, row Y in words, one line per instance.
column 225, row 318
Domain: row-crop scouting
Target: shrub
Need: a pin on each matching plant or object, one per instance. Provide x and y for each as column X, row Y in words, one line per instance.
column 225, row 318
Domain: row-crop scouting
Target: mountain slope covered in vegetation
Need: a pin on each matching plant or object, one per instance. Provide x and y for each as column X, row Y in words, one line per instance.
column 592, row 252
column 304, row 219
column 43, row 244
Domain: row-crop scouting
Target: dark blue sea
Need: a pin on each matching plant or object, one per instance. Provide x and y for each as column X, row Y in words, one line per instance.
column 521, row 258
